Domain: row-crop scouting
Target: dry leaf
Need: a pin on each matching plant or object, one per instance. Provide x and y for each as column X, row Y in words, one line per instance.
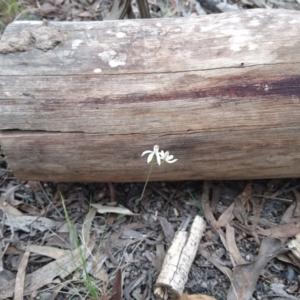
column 104, row 297
column 61, row 267
column 9, row 209
column 297, row 209
column 288, row 214
column 239, row 211
column 35, row 185
column 208, row 213
column 196, row 297
column 215, row 198
column 160, row 253
column 47, row 251
column 133, row 234
column 113, row 209
column 282, row 231
column 225, row 7
column 95, row 266
column 117, row 286
column 232, row 247
column 216, row 262
column 246, row 193
column 294, row 245
column 102, row 275
column 20, row 279
column 85, row 14
column 236, row 207
column 119, row 10
column 48, row 8
column 206, row 205
column 5, row 199
column 87, row 224
column 167, row 229
column 25, row 222
column 245, row 276
column 143, row 9
column 8, row 195
column 225, row 217
column 277, row 288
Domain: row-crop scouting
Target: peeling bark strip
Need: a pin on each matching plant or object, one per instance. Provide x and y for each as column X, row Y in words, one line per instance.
column 178, row 261
column 221, row 92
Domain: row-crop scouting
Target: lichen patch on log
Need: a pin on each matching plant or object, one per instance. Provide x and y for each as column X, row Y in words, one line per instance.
column 44, row 38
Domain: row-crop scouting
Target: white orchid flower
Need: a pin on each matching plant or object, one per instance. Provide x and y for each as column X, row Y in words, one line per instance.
column 165, row 156
column 161, row 157
column 152, row 153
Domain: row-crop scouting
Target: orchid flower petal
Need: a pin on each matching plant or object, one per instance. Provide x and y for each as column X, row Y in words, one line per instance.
column 150, row 157
column 146, row 152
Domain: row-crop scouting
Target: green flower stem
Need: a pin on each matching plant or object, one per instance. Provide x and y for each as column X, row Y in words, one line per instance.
column 149, row 172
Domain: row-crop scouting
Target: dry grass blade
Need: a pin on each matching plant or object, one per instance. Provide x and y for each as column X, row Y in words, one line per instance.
column 61, row 267
column 20, row 279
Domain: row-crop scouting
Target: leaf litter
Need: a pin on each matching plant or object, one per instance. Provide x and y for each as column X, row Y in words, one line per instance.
column 134, row 245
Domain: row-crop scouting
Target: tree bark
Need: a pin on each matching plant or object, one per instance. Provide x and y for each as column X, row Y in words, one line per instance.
column 220, row 92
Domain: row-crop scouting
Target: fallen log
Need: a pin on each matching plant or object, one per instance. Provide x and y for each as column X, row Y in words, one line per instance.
column 83, row 100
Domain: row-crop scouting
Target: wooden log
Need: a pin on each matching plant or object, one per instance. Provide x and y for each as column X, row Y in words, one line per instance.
column 221, row 92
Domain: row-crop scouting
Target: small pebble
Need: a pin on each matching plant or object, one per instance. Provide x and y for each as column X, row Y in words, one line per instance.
column 290, row 274
column 249, row 257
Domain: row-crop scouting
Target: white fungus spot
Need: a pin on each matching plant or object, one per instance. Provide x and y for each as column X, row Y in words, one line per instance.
column 76, row 43
column 113, row 58
column 235, row 48
column 115, row 63
column 252, row 46
column 119, row 60
column 254, row 23
column 120, row 35
column 237, row 42
column 97, row 71
column 266, row 87
column 107, row 55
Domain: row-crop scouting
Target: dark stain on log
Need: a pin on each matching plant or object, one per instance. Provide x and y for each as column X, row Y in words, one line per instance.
column 286, row 87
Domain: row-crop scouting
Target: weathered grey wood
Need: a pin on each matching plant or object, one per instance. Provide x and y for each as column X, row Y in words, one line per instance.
column 221, row 92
